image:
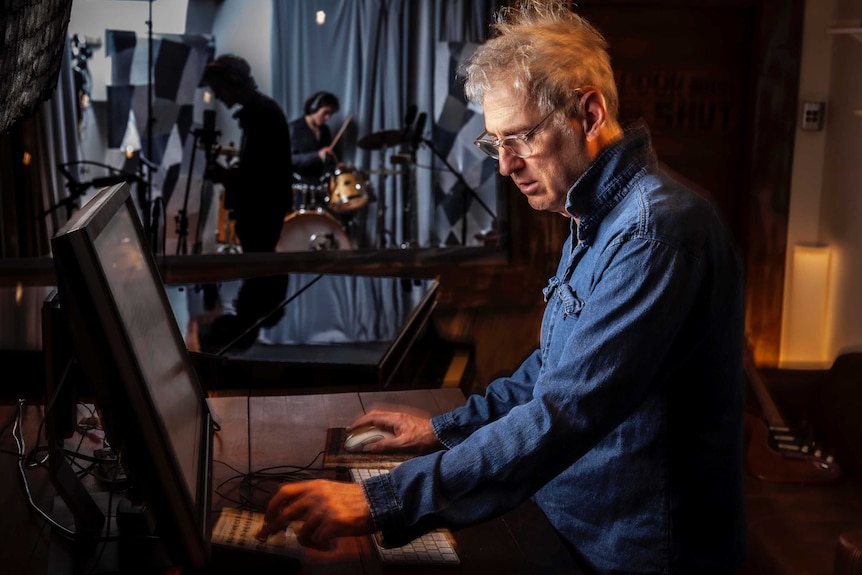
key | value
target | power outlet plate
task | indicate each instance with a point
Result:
(812, 115)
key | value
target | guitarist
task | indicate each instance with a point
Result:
(257, 188)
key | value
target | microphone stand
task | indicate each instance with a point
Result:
(381, 206)
(468, 190)
(151, 216)
(150, 121)
(77, 188)
(208, 137)
(408, 185)
(182, 214)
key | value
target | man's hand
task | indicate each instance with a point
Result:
(412, 433)
(326, 509)
(327, 151)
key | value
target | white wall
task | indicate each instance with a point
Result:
(841, 211)
(826, 199)
(806, 186)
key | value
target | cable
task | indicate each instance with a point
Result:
(18, 435)
(252, 483)
(257, 323)
(29, 459)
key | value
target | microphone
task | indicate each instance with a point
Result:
(418, 128)
(408, 122)
(410, 115)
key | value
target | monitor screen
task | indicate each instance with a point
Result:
(132, 354)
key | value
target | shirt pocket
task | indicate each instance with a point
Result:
(571, 304)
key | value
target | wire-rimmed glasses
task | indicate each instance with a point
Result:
(516, 144)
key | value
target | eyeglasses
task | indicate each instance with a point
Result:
(515, 144)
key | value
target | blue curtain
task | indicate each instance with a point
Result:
(383, 57)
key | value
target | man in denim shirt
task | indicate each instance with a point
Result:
(625, 427)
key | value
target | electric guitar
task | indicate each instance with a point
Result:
(775, 452)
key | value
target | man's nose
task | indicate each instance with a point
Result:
(507, 162)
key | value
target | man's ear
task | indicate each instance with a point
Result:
(593, 113)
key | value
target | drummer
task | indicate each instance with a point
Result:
(311, 140)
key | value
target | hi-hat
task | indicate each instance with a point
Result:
(380, 140)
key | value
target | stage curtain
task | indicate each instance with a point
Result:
(382, 57)
(34, 199)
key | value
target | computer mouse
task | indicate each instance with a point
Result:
(360, 438)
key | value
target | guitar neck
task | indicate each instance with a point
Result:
(770, 411)
(774, 453)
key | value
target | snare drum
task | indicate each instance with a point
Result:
(312, 230)
(347, 190)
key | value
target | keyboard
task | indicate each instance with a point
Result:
(236, 529)
(434, 548)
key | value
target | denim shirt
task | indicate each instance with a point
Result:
(625, 427)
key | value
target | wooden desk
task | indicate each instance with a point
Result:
(267, 431)
(291, 430)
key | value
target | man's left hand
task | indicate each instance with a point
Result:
(325, 509)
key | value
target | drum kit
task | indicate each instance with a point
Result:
(312, 225)
(323, 211)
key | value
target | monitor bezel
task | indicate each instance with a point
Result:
(129, 413)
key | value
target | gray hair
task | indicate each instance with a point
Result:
(545, 51)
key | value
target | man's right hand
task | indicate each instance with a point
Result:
(412, 432)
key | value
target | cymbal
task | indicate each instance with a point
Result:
(380, 140)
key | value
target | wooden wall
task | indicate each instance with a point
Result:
(717, 82)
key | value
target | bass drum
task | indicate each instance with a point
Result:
(312, 230)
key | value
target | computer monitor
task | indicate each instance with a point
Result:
(131, 352)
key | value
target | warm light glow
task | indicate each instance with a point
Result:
(804, 344)
(320, 17)
(131, 139)
(19, 293)
(26, 159)
(208, 97)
